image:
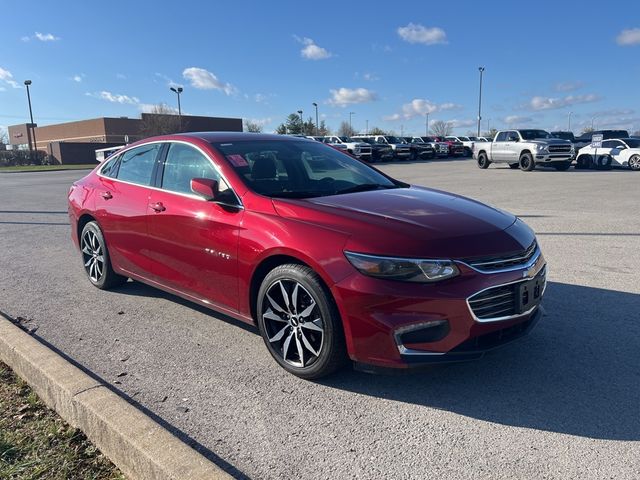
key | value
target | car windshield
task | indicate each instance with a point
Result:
(632, 142)
(464, 139)
(534, 134)
(473, 139)
(365, 140)
(392, 139)
(345, 139)
(300, 169)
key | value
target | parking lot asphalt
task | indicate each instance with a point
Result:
(561, 403)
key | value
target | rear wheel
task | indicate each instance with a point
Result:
(584, 162)
(634, 163)
(483, 161)
(562, 166)
(526, 162)
(95, 257)
(604, 162)
(300, 323)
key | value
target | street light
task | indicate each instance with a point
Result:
(366, 130)
(427, 125)
(592, 120)
(569, 128)
(350, 127)
(317, 125)
(33, 130)
(178, 91)
(301, 122)
(481, 70)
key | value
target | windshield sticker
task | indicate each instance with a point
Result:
(237, 160)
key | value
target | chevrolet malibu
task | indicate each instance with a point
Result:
(330, 258)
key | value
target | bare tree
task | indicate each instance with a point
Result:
(491, 134)
(345, 129)
(323, 129)
(251, 126)
(4, 136)
(376, 131)
(161, 120)
(587, 130)
(441, 128)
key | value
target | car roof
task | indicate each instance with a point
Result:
(235, 136)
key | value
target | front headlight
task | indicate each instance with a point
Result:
(403, 269)
(541, 148)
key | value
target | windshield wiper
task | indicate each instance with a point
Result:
(307, 194)
(364, 187)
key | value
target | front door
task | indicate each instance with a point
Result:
(193, 243)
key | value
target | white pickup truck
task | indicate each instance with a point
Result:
(524, 149)
(354, 147)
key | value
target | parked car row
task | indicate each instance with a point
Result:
(528, 148)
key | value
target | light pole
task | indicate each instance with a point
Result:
(592, 120)
(569, 128)
(317, 124)
(178, 91)
(426, 124)
(366, 130)
(350, 127)
(301, 122)
(33, 130)
(481, 70)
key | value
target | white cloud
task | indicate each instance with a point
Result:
(46, 37)
(204, 80)
(121, 76)
(370, 77)
(170, 82)
(568, 86)
(548, 103)
(311, 51)
(420, 107)
(629, 37)
(115, 98)
(7, 77)
(462, 123)
(512, 120)
(416, 33)
(347, 96)
(78, 77)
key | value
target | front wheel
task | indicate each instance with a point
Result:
(95, 257)
(483, 161)
(604, 162)
(526, 162)
(300, 323)
(634, 163)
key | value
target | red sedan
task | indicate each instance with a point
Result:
(332, 259)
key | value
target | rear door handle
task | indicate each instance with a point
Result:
(106, 195)
(158, 207)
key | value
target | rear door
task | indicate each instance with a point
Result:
(511, 147)
(122, 196)
(193, 243)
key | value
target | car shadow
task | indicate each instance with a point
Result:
(577, 373)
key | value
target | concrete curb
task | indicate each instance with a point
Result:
(136, 444)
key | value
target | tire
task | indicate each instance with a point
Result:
(95, 257)
(584, 162)
(483, 161)
(513, 166)
(299, 322)
(562, 166)
(604, 162)
(527, 163)
(634, 163)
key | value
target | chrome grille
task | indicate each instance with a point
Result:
(559, 148)
(495, 303)
(515, 260)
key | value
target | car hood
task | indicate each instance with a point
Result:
(415, 222)
(549, 141)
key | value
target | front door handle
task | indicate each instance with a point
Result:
(106, 195)
(158, 207)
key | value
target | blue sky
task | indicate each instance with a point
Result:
(388, 63)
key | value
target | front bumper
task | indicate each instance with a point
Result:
(378, 313)
(553, 157)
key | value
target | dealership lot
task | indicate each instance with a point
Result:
(561, 403)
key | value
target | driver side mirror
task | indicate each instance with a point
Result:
(205, 187)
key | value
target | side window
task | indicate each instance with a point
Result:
(110, 169)
(136, 165)
(502, 137)
(184, 163)
(611, 144)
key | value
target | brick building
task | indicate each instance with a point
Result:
(76, 142)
